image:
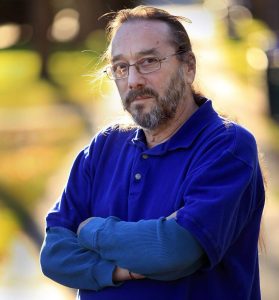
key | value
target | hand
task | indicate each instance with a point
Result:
(121, 274)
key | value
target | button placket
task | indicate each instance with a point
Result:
(138, 175)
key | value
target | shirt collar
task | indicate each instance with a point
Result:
(185, 136)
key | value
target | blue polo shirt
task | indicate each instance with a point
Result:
(208, 172)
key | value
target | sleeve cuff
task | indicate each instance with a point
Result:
(104, 272)
(88, 235)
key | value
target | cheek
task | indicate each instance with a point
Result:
(158, 84)
(121, 87)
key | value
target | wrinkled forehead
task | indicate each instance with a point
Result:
(140, 36)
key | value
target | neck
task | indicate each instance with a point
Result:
(165, 131)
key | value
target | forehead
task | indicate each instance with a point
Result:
(139, 36)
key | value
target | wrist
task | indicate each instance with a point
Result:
(120, 274)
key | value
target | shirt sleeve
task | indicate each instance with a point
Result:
(66, 262)
(72, 207)
(159, 249)
(222, 196)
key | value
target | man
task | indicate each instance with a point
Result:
(167, 209)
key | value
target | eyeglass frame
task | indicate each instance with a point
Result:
(136, 64)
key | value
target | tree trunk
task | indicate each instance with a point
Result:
(40, 16)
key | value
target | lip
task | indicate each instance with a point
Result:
(142, 98)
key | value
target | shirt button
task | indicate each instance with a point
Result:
(144, 156)
(138, 176)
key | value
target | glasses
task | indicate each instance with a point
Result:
(143, 66)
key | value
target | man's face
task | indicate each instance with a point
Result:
(164, 107)
(152, 98)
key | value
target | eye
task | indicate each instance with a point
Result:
(119, 68)
(148, 61)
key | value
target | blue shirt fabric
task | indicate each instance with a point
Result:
(158, 249)
(208, 172)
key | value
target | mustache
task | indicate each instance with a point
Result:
(133, 94)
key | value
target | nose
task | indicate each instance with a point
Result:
(135, 79)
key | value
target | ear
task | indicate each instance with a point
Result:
(190, 67)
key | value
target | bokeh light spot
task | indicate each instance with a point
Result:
(257, 58)
(9, 35)
(66, 25)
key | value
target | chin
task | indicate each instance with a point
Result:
(144, 108)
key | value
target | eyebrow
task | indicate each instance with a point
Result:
(152, 51)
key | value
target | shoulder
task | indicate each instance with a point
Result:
(112, 137)
(242, 145)
(238, 141)
(225, 137)
(118, 129)
(119, 132)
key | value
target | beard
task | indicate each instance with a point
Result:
(165, 107)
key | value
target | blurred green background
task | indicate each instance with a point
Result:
(52, 101)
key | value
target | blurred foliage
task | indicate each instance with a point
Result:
(40, 121)
(18, 67)
(72, 71)
(20, 85)
(250, 33)
(7, 221)
(26, 166)
(97, 41)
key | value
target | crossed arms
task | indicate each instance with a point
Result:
(104, 249)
